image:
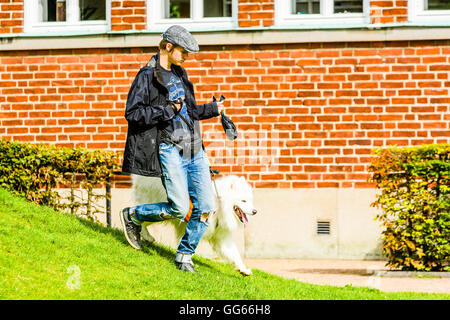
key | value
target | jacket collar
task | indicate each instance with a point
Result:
(154, 63)
(179, 71)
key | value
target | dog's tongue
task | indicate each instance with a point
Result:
(244, 218)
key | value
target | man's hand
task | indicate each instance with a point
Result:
(220, 106)
(177, 105)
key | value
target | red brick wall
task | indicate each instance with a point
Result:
(67, 97)
(322, 106)
(390, 11)
(308, 114)
(128, 15)
(11, 16)
(256, 13)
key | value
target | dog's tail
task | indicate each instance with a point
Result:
(147, 190)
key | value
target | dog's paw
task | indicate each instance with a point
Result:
(245, 272)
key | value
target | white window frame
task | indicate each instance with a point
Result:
(72, 23)
(417, 13)
(284, 16)
(157, 22)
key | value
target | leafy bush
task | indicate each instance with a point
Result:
(35, 170)
(415, 203)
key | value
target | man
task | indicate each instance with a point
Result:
(164, 139)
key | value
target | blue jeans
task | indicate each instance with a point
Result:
(183, 178)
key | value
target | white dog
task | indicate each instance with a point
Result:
(234, 206)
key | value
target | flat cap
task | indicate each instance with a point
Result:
(178, 35)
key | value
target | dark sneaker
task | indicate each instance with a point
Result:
(131, 230)
(188, 267)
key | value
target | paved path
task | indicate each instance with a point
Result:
(342, 272)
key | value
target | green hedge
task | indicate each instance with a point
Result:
(35, 170)
(415, 203)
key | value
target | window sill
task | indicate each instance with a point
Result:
(51, 28)
(206, 24)
(230, 36)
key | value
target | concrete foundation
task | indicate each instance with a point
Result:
(286, 224)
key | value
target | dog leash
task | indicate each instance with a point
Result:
(213, 173)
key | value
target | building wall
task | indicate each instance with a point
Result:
(388, 11)
(11, 16)
(128, 15)
(308, 114)
(259, 13)
(309, 108)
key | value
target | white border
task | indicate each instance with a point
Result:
(417, 13)
(283, 16)
(72, 23)
(156, 22)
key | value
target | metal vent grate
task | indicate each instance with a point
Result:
(323, 227)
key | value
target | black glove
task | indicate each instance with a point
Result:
(227, 124)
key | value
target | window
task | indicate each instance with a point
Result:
(348, 6)
(177, 9)
(45, 16)
(432, 11)
(305, 6)
(313, 6)
(92, 10)
(217, 8)
(194, 14)
(321, 12)
(437, 4)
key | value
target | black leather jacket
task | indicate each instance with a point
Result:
(148, 112)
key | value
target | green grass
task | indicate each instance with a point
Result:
(40, 247)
